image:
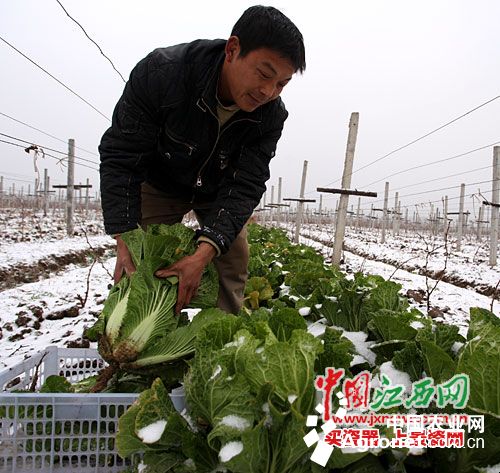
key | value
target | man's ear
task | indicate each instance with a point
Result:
(232, 48)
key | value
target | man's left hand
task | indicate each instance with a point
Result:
(189, 270)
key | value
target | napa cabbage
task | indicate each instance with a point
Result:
(138, 326)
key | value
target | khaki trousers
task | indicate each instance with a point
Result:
(232, 267)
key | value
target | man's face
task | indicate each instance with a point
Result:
(255, 79)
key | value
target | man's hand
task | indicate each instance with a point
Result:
(124, 263)
(189, 270)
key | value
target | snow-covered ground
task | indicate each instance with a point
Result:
(467, 267)
(454, 302)
(54, 310)
(49, 312)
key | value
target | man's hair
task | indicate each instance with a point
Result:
(266, 27)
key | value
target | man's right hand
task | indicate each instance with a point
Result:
(124, 263)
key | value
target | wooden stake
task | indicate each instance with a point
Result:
(346, 184)
(384, 218)
(300, 205)
(280, 182)
(495, 200)
(70, 189)
(460, 228)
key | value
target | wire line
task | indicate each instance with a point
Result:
(434, 162)
(55, 78)
(98, 47)
(418, 139)
(47, 154)
(46, 147)
(45, 133)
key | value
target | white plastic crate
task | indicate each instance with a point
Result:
(61, 432)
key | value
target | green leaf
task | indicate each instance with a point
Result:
(480, 359)
(367, 464)
(213, 390)
(284, 321)
(442, 335)
(338, 351)
(410, 360)
(339, 459)
(481, 320)
(150, 314)
(178, 343)
(471, 460)
(134, 240)
(57, 384)
(208, 290)
(287, 366)
(162, 462)
(288, 446)
(157, 406)
(437, 363)
(386, 325)
(385, 351)
(385, 296)
(216, 334)
(257, 290)
(254, 457)
(335, 315)
(127, 441)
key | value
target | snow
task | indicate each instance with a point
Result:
(216, 372)
(189, 420)
(230, 450)
(358, 339)
(417, 325)
(268, 420)
(304, 311)
(470, 264)
(152, 432)
(236, 422)
(13, 254)
(455, 348)
(50, 296)
(357, 360)
(236, 343)
(490, 469)
(317, 328)
(191, 313)
(396, 376)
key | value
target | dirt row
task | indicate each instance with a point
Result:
(53, 264)
(451, 278)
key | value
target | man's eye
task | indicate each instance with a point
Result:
(264, 76)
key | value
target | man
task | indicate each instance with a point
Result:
(195, 129)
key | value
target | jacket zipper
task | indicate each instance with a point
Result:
(219, 134)
(198, 177)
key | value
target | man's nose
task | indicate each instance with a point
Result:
(268, 89)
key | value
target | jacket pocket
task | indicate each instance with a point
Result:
(179, 144)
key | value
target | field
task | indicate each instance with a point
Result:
(52, 286)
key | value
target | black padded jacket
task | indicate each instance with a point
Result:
(165, 131)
